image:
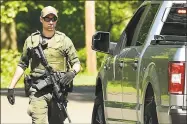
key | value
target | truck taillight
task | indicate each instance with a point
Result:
(176, 73)
(182, 11)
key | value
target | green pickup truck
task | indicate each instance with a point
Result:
(143, 77)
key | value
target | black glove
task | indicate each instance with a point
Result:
(68, 77)
(10, 96)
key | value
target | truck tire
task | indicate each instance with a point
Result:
(150, 116)
(98, 110)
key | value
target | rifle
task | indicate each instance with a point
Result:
(57, 92)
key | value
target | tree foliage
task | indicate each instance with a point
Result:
(10, 9)
(111, 16)
(9, 12)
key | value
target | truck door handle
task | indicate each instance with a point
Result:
(121, 64)
(106, 67)
(107, 64)
(136, 61)
(135, 64)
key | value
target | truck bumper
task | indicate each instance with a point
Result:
(178, 115)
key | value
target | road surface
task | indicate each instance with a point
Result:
(79, 107)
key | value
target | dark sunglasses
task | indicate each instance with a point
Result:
(47, 19)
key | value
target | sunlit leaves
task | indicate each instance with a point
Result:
(69, 11)
(113, 16)
(10, 9)
(9, 59)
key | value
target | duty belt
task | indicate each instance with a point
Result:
(58, 76)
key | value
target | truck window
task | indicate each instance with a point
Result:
(176, 22)
(147, 22)
(129, 31)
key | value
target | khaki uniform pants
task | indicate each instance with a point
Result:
(43, 109)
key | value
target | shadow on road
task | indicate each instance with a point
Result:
(80, 93)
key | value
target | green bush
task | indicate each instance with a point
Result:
(9, 61)
(100, 58)
(82, 58)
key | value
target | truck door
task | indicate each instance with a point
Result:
(113, 97)
(123, 60)
(113, 101)
(129, 85)
(114, 104)
(130, 79)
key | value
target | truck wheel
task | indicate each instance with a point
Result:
(98, 110)
(150, 116)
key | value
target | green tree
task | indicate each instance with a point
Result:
(113, 16)
(9, 10)
(21, 18)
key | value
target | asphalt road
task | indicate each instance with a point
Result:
(79, 107)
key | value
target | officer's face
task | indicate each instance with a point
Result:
(49, 22)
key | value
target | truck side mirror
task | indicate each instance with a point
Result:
(101, 41)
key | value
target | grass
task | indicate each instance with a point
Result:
(85, 80)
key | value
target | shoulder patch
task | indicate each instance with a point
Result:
(35, 33)
(35, 38)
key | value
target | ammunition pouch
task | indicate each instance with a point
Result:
(27, 84)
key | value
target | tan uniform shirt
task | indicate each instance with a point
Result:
(59, 52)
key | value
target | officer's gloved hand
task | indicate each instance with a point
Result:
(68, 77)
(11, 96)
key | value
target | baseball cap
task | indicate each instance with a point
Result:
(48, 10)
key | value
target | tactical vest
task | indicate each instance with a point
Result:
(53, 52)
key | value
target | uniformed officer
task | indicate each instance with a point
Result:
(59, 51)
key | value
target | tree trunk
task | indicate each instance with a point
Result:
(8, 36)
(90, 30)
